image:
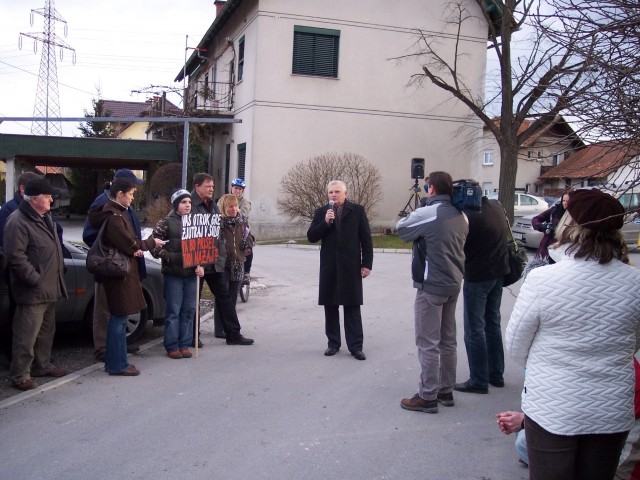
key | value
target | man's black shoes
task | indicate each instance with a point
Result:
(240, 340)
(467, 387)
(331, 351)
(359, 355)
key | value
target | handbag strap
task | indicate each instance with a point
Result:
(510, 239)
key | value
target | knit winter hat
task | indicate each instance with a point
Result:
(178, 196)
(596, 210)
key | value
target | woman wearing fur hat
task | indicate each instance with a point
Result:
(574, 329)
(179, 282)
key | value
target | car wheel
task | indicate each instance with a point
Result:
(135, 325)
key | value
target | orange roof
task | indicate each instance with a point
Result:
(593, 161)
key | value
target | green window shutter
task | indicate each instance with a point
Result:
(242, 157)
(315, 51)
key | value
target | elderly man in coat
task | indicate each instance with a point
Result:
(36, 268)
(346, 257)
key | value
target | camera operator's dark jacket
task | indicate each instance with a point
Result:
(485, 249)
(438, 231)
(541, 222)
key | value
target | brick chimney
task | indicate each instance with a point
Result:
(219, 5)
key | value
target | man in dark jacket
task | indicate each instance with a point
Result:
(438, 231)
(486, 263)
(346, 257)
(6, 300)
(89, 234)
(214, 275)
(36, 268)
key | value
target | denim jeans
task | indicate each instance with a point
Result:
(180, 299)
(521, 446)
(435, 318)
(115, 360)
(482, 332)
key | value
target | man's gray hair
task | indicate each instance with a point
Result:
(337, 182)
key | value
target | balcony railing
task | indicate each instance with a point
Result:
(214, 97)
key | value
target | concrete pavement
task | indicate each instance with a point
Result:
(278, 409)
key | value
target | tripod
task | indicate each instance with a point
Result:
(414, 198)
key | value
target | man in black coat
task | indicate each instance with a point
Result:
(486, 263)
(346, 257)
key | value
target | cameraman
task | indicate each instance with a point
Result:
(546, 222)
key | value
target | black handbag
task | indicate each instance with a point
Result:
(517, 259)
(107, 262)
(517, 262)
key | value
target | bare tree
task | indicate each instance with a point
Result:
(537, 85)
(607, 33)
(304, 186)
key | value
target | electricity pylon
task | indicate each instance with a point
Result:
(47, 103)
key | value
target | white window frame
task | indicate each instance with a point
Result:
(487, 157)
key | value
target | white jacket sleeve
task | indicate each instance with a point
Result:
(410, 227)
(524, 322)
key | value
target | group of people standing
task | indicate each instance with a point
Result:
(33, 268)
(573, 327)
(180, 283)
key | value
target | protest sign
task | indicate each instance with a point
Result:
(199, 234)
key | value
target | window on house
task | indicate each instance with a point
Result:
(242, 156)
(487, 158)
(241, 58)
(529, 154)
(315, 51)
(555, 159)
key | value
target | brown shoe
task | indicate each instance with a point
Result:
(419, 404)
(176, 354)
(54, 372)
(25, 385)
(131, 371)
(185, 353)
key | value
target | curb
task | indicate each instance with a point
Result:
(80, 373)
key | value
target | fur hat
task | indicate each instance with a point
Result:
(596, 210)
(178, 196)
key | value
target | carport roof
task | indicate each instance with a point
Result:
(87, 152)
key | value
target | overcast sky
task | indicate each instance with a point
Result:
(120, 46)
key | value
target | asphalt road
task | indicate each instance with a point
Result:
(278, 409)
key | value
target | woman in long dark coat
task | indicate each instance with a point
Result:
(124, 295)
(346, 257)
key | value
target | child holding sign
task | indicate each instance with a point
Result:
(179, 282)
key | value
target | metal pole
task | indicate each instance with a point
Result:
(185, 153)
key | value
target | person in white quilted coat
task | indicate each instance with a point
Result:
(574, 328)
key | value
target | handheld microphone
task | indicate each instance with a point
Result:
(331, 206)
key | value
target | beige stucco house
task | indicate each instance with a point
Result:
(541, 152)
(307, 78)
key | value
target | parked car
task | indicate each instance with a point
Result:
(530, 238)
(77, 310)
(523, 232)
(525, 204)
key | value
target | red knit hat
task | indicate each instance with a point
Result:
(596, 210)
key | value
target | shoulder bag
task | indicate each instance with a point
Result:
(517, 259)
(107, 262)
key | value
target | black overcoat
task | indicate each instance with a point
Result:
(345, 249)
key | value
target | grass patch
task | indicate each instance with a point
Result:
(379, 241)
